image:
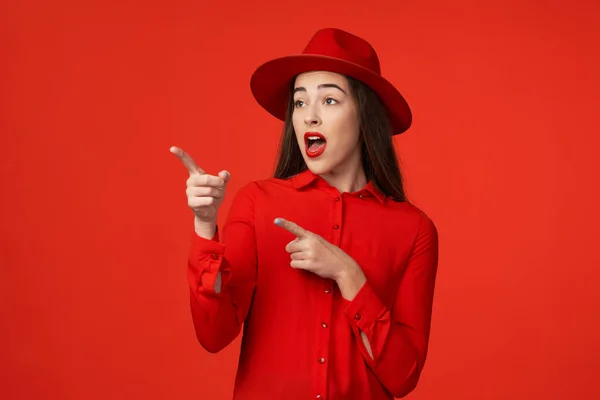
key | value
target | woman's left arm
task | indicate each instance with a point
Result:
(394, 342)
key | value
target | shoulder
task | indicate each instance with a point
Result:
(266, 185)
(409, 211)
(414, 217)
(259, 188)
(426, 233)
(272, 182)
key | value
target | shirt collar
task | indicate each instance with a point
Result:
(307, 177)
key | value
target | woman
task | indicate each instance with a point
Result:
(327, 266)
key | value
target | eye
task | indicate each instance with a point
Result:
(330, 101)
(298, 103)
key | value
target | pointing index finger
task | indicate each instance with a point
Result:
(187, 161)
(291, 227)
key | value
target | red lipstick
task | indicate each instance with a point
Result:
(315, 144)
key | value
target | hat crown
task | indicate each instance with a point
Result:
(336, 43)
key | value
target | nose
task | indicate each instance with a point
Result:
(312, 117)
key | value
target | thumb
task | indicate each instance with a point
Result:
(225, 176)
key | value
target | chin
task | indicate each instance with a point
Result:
(318, 167)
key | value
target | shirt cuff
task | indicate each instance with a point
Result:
(205, 262)
(365, 309)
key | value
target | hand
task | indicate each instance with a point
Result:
(311, 252)
(205, 192)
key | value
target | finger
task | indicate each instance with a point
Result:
(187, 161)
(291, 227)
(196, 202)
(300, 264)
(299, 255)
(293, 246)
(205, 180)
(225, 176)
(205, 191)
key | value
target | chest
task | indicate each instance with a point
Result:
(372, 234)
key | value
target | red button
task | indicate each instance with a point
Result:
(215, 256)
(336, 226)
(327, 291)
(319, 397)
(357, 317)
(324, 324)
(322, 360)
(337, 198)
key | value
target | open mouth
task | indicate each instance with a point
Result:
(315, 144)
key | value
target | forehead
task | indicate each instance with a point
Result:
(315, 78)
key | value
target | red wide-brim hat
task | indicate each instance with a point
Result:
(331, 50)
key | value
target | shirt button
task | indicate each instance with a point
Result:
(357, 316)
(215, 256)
(327, 291)
(324, 324)
(319, 397)
(360, 195)
(336, 226)
(337, 198)
(322, 360)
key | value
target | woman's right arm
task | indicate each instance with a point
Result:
(222, 275)
(222, 264)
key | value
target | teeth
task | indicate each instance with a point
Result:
(314, 138)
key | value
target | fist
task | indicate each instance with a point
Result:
(205, 192)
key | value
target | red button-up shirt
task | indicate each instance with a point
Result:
(301, 338)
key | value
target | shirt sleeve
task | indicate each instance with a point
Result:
(399, 337)
(218, 316)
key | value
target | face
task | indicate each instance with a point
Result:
(325, 120)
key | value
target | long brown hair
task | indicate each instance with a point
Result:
(379, 158)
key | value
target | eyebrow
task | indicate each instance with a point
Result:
(324, 85)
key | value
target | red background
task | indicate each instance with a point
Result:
(95, 228)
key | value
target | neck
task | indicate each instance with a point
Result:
(348, 178)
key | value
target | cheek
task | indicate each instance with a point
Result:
(347, 145)
(348, 133)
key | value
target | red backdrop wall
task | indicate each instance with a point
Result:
(95, 228)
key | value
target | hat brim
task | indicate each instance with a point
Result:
(270, 85)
